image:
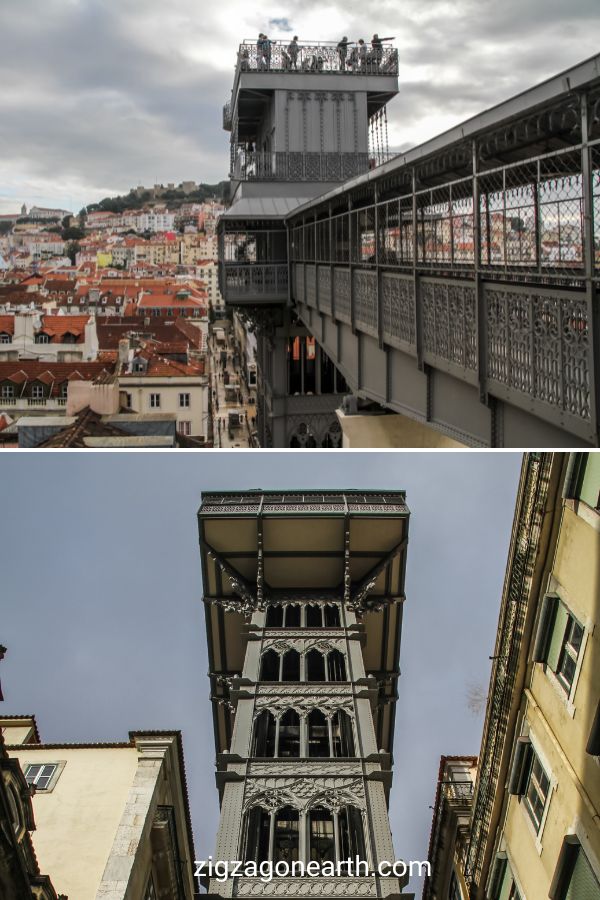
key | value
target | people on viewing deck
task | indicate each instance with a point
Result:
(292, 52)
(376, 54)
(342, 50)
(355, 56)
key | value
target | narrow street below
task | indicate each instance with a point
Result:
(233, 413)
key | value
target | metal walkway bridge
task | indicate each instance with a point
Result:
(458, 283)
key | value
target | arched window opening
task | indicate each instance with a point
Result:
(313, 616)
(289, 734)
(14, 807)
(258, 826)
(274, 617)
(315, 666)
(352, 838)
(318, 734)
(341, 733)
(336, 666)
(322, 841)
(292, 616)
(287, 831)
(332, 615)
(264, 734)
(291, 666)
(269, 667)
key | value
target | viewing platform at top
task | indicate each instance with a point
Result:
(318, 57)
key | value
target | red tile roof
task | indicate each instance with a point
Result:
(7, 324)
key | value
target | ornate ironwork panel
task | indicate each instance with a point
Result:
(365, 300)
(398, 294)
(449, 322)
(311, 286)
(324, 281)
(299, 270)
(341, 294)
(539, 344)
(254, 282)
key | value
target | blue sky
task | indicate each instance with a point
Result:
(101, 95)
(101, 602)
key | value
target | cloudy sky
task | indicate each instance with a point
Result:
(101, 600)
(101, 95)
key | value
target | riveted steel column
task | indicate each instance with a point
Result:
(379, 297)
(589, 262)
(480, 311)
(351, 263)
(416, 279)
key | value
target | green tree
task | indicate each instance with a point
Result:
(72, 233)
(71, 250)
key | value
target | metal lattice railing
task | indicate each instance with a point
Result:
(317, 57)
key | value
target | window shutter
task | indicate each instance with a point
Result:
(545, 627)
(558, 635)
(584, 884)
(505, 884)
(593, 744)
(497, 879)
(521, 759)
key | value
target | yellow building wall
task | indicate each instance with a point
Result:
(104, 259)
(560, 732)
(76, 822)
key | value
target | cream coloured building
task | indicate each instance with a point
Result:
(120, 809)
(534, 829)
(187, 396)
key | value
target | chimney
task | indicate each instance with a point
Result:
(123, 352)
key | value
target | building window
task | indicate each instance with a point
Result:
(184, 400)
(529, 781)
(155, 401)
(574, 877)
(322, 840)
(257, 835)
(5, 338)
(8, 392)
(290, 666)
(537, 788)
(40, 775)
(265, 733)
(502, 886)
(289, 735)
(63, 390)
(184, 428)
(37, 392)
(42, 338)
(569, 653)
(559, 641)
(286, 838)
(585, 479)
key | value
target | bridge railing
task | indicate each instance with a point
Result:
(531, 224)
(529, 345)
(253, 165)
(254, 283)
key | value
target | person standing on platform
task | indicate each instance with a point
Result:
(292, 51)
(342, 50)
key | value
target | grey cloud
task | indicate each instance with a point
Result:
(112, 93)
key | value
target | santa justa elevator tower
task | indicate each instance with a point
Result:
(303, 595)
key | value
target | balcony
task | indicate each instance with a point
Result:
(253, 283)
(23, 403)
(318, 58)
(251, 165)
